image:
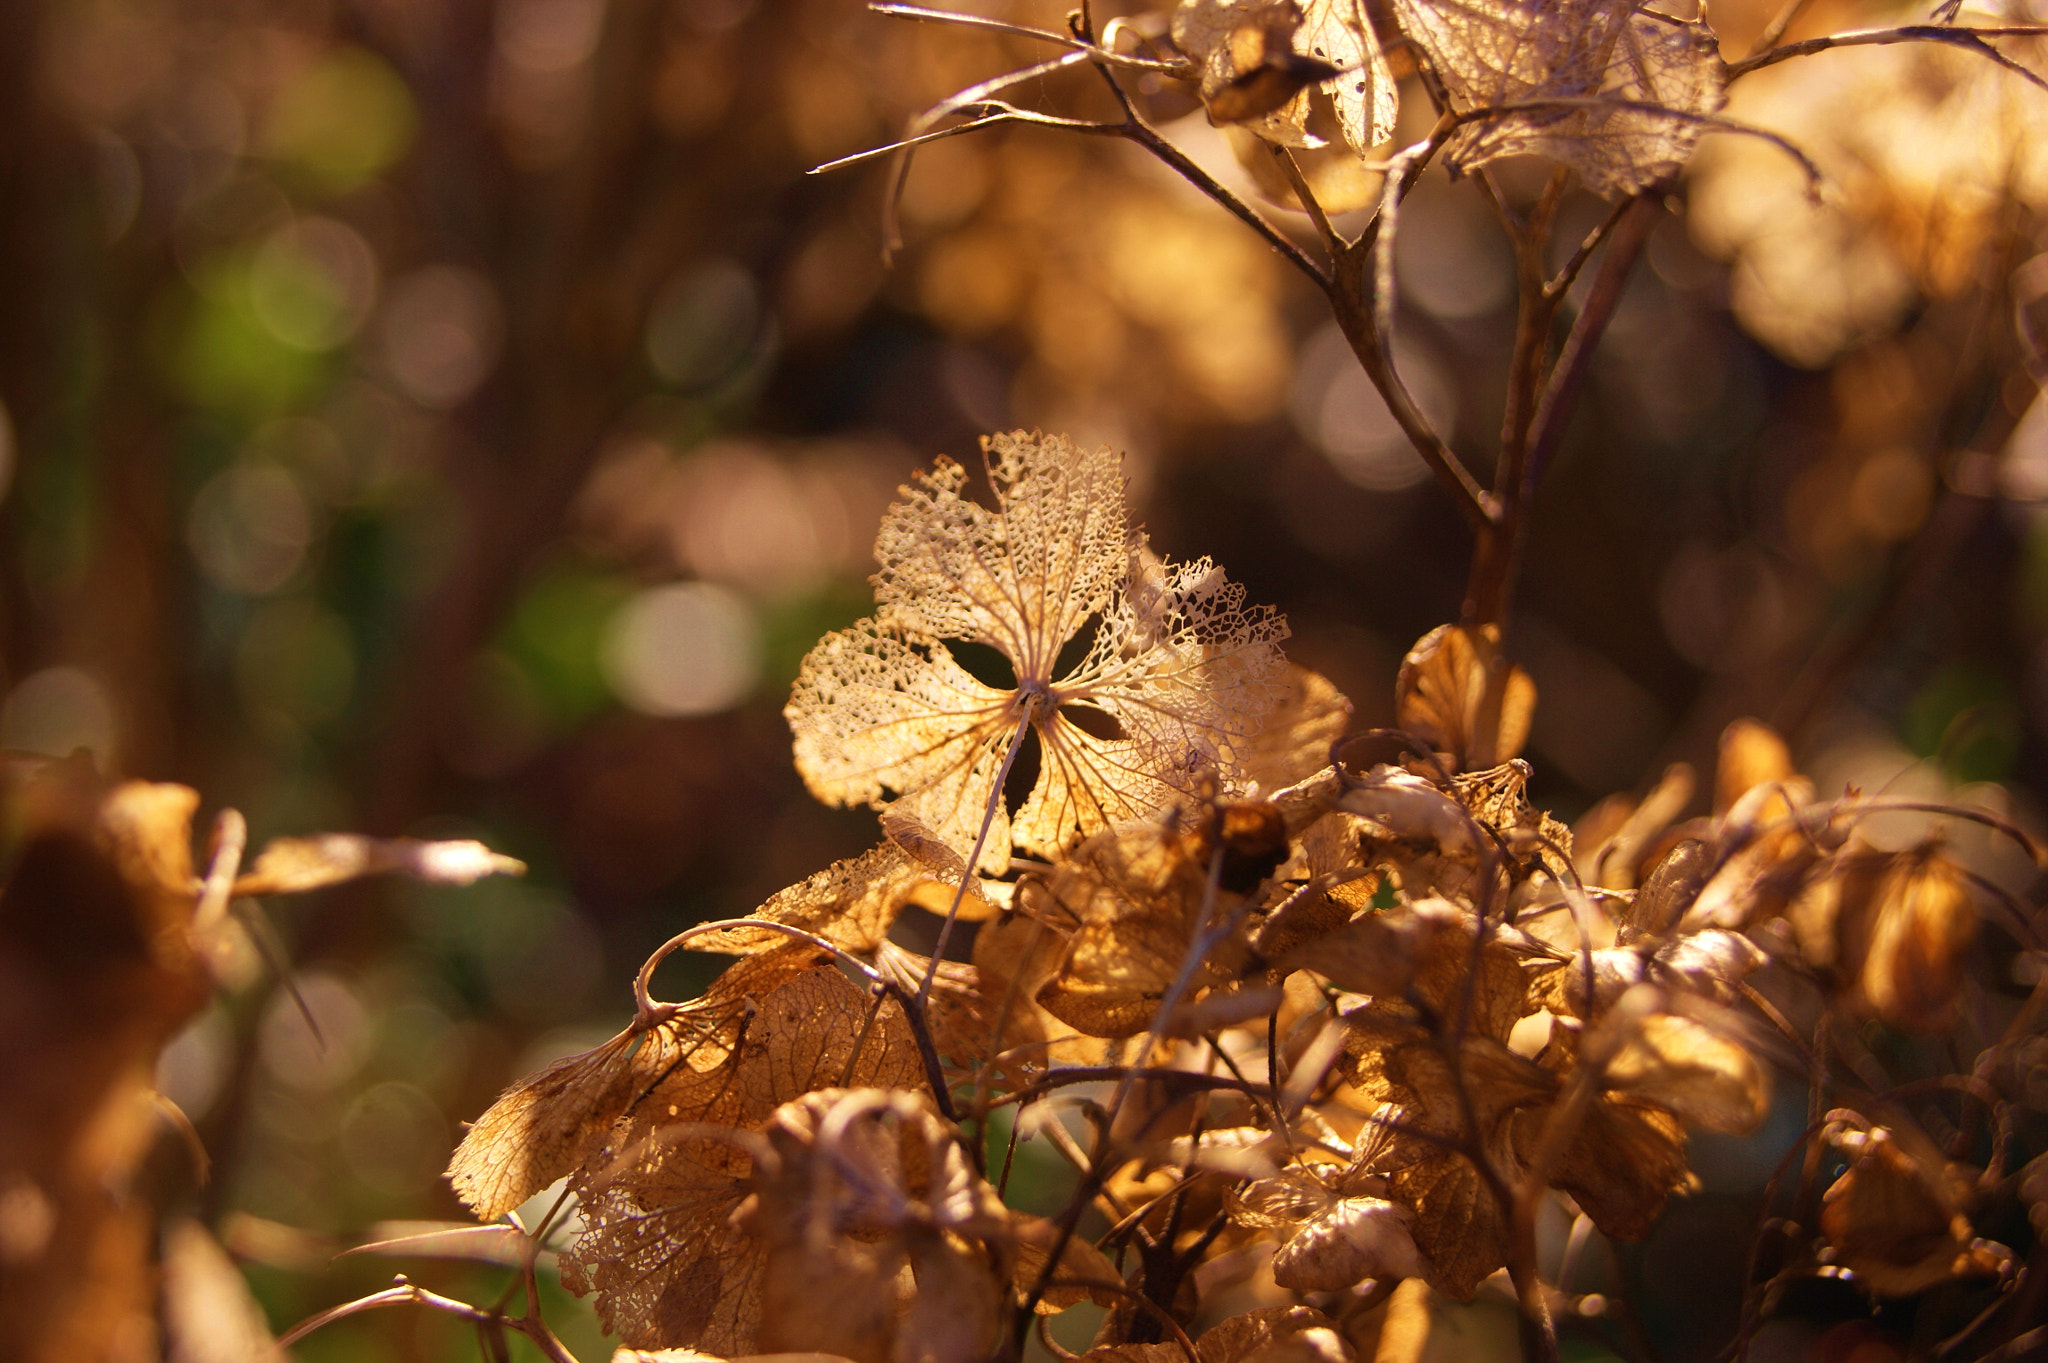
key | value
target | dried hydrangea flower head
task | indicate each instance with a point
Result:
(1179, 673)
(1594, 75)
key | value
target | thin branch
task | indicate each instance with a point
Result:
(1968, 39)
(967, 871)
(1626, 241)
(1710, 122)
(998, 113)
(1181, 69)
(1561, 282)
(1333, 240)
(1148, 137)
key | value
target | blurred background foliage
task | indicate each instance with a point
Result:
(458, 417)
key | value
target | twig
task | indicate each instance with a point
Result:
(1626, 240)
(1969, 39)
(1562, 281)
(1148, 137)
(1182, 69)
(1333, 240)
(999, 113)
(967, 872)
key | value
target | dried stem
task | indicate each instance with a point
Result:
(1968, 39)
(967, 872)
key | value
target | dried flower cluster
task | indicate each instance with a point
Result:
(1310, 1015)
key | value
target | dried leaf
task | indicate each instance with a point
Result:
(295, 865)
(1897, 1224)
(1179, 672)
(1081, 1263)
(1495, 53)
(1457, 693)
(660, 1248)
(1259, 58)
(1335, 1225)
(1277, 1334)
(553, 1123)
(852, 903)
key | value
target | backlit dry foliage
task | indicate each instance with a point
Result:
(1325, 1022)
(1312, 1016)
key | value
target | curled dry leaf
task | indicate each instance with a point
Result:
(658, 1193)
(877, 1233)
(1336, 1227)
(1276, 1334)
(1897, 1223)
(295, 865)
(1457, 693)
(1178, 673)
(1259, 60)
(1902, 923)
(1493, 54)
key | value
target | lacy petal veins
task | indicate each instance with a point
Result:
(1179, 673)
(1606, 67)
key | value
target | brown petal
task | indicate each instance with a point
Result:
(1457, 693)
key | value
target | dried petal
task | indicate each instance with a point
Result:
(852, 903)
(295, 865)
(1178, 673)
(1334, 1237)
(1259, 58)
(1277, 1334)
(553, 1123)
(1905, 923)
(1495, 53)
(1622, 1166)
(1457, 693)
(660, 1248)
(876, 1233)
(1705, 1078)
(1896, 1223)
(1752, 754)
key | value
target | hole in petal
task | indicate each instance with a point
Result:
(1092, 720)
(1023, 772)
(983, 663)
